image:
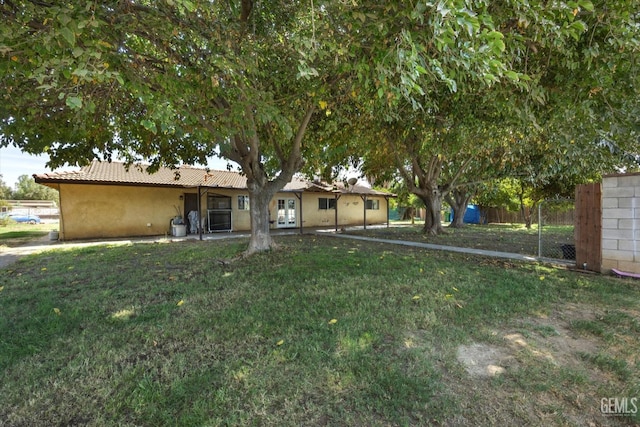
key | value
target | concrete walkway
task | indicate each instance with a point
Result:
(9, 255)
(470, 251)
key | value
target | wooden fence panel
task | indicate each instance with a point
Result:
(588, 226)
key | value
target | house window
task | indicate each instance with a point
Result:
(219, 202)
(243, 203)
(373, 204)
(325, 203)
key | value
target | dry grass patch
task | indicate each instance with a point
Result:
(544, 371)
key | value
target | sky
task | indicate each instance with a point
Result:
(14, 163)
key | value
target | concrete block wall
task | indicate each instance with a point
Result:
(621, 222)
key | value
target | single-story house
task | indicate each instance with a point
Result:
(110, 200)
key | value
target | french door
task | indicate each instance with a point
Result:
(286, 213)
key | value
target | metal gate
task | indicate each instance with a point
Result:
(556, 229)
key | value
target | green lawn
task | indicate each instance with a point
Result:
(14, 234)
(323, 331)
(515, 238)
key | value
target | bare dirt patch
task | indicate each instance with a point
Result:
(534, 372)
(483, 360)
(544, 337)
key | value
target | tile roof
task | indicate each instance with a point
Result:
(116, 173)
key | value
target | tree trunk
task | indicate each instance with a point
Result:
(409, 214)
(244, 149)
(458, 216)
(260, 240)
(433, 220)
(526, 214)
(458, 199)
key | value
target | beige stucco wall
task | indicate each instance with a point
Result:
(350, 211)
(99, 211)
(96, 211)
(621, 223)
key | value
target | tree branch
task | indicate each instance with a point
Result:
(294, 161)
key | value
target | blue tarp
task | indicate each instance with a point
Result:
(472, 215)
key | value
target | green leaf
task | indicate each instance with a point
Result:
(512, 75)
(586, 5)
(576, 29)
(64, 19)
(359, 15)
(149, 125)
(68, 35)
(80, 72)
(420, 69)
(189, 6)
(497, 46)
(74, 102)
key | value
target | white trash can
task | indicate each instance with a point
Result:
(179, 230)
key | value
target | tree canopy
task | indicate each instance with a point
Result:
(28, 189)
(5, 190)
(273, 84)
(169, 82)
(563, 111)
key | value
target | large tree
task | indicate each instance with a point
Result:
(444, 162)
(169, 82)
(28, 189)
(584, 92)
(560, 103)
(5, 190)
(267, 84)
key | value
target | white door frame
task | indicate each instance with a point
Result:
(286, 215)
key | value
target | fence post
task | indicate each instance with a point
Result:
(540, 229)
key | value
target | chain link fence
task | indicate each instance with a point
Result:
(556, 219)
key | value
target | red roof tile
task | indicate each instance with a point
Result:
(115, 173)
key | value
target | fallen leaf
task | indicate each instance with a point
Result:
(333, 321)
(279, 343)
(180, 302)
(56, 311)
(416, 297)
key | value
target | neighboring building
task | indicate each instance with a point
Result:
(43, 208)
(107, 200)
